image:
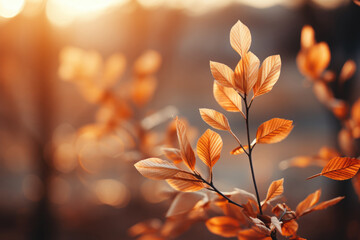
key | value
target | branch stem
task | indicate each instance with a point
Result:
(250, 152)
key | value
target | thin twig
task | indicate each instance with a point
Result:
(250, 151)
(237, 139)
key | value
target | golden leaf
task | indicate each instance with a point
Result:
(209, 148)
(187, 153)
(185, 182)
(227, 98)
(340, 168)
(222, 74)
(327, 204)
(240, 38)
(239, 150)
(173, 154)
(268, 75)
(215, 119)
(307, 203)
(276, 189)
(223, 226)
(347, 71)
(156, 168)
(185, 202)
(246, 73)
(274, 130)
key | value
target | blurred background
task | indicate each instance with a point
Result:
(89, 87)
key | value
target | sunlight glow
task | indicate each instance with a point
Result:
(11, 8)
(64, 12)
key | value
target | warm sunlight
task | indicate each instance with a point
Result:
(64, 12)
(11, 8)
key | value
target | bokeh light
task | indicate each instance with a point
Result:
(11, 8)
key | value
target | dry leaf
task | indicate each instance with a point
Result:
(187, 152)
(276, 189)
(274, 130)
(156, 168)
(227, 98)
(173, 154)
(340, 168)
(209, 148)
(246, 73)
(327, 204)
(223, 226)
(222, 74)
(268, 75)
(240, 38)
(260, 226)
(276, 223)
(185, 182)
(347, 71)
(214, 119)
(185, 202)
(307, 203)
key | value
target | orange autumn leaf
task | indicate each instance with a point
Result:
(187, 153)
(156, 168)
(185, 182)
(340, 168)
(227, 98)
(246, 73)
(222, 74)
(289, 228)
(239, 150)
(148, 63)
(240, 38)
(268, 75)
(307, 203)
(173, 154)
(274, 130)
(347, 71)
(327, 204)
(314, 60)
(209, 148)
(223, 226)
(276, 189)
(251, 234)
(355, 111)
(214, 119)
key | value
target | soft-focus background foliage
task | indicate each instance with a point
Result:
(48, 190)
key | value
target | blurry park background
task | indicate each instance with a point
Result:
(52, 188)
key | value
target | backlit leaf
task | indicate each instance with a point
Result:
(276, 189)
(276, 223)
(274, 130)
(209, 148)
(246, 73)
(215, 119)
(184, 202)
(239, 150)
(227, 98)
(347, 71)
(185, 182)
(222, 74)
(307, 203)
(240, 38)
(223, 226)
(186, 150)
(173, 154)
(327, 204)
(268, 75)
(340, 168)
(155, 168)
